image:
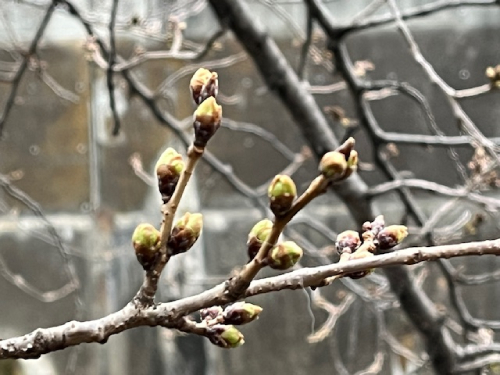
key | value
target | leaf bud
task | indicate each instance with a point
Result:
(493, 73)
(281, 192)
(333, 164)
(227, 337)
(211, 313)
(241, 313)
(185, 233)
(146, 242)
(284, 255)
(207, 119)
(257, 236)
(391, 236)
(347, 241)
(168, 170)
(203, 84)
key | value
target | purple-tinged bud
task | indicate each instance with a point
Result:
(391, 236)
(257, 236)
(333, 165)
(146, 242)
(360, 255)
(211, 313)
(241, 313)
(227, 337)
(284, 255)
(281, 192)
(204, 84)
(168, 170)
(347, 242)
(207, 119)
(185, 233)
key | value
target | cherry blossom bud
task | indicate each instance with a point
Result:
(204, 84)
(207, 119)
(391, 236)
(146, 242)
(333, 164)
(227, 337)
(185, 233)
(281, 192)
(241, 313)
(360, 255)
(257, 236)
(347, 241)
(168, 170)
(211, 313)
(284, 255)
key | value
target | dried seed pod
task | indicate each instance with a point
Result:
(207, 119)
(284, 255)
(281, 192)
(203, 84)
(185, 233)
(146, 242)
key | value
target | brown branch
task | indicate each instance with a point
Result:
(171, 315)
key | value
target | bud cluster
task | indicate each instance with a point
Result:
(220, 322)
(207, 117)
(376, 236)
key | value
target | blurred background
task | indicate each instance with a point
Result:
(71, 192)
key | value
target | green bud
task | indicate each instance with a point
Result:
(347, 241)
(227, 337)
(257, 236)
(203, 84)
(146, 242)
(185, 233)
(207, 119)
(333, 164)
(284, 255)
(241, 313)
(281, 192)
(391, 236)
(168, 170)
(360, 255)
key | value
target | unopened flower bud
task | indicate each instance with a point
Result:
(333, 164)
(352, 164)
(168, 170)
(360, 255)
(493, 73)
(281, 192)
(347, 241)
(204, 84)
(241, 313)
(391, 236)
(284, 255)
(185, 233)
(146, 242)
(207, 119)
(225, 336)
(257, 236)
(211, 313)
